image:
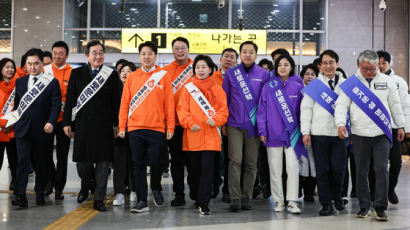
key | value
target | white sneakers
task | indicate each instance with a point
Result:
(292, 207)
(279, 206)
(119, 199)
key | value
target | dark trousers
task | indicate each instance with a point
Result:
(352, 174)
(217, 179)
(122, 165)
(59, 173)
(200, 173)
(330, 162)
(11, 149)
(225, 188)
(376, 149)
(178, 160)
(263, 178)
(88, 174)
(146, 147)
(36, 152)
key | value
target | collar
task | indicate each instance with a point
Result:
(62, 67)
(150, 70)
(37, 76)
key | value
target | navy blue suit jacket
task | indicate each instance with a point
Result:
(45, 109)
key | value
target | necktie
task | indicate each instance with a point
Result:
(95, 72)
(331, 84)
(34, 80)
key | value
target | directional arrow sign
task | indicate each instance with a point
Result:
(136, 36)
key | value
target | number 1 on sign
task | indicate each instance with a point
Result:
(158, 37)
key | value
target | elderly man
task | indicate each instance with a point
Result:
(371, 98)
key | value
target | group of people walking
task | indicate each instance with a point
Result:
(301, 129)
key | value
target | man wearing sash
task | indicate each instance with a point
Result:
(372, 98)
(91, 118)
(319, 130)
(147, 113)
(180, 73)
(37, 104)
(61, 70)
(242, 85)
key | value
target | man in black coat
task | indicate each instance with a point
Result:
(34, 117)
(91, 112)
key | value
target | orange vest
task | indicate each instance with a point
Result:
(174, 70)
(189, 113)
(156, 112)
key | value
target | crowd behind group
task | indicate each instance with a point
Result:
(280, 134)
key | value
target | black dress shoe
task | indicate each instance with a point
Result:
(309, 198)
(82, 196)
(99, 205)
(48, 189)
(393, 197)
(340, 205)
(19, 200)
(59, 196)
(178, 201)
(40, 199)
(327, 210)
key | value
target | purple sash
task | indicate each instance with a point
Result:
(242, 84)
(369, 103)
(292, 133)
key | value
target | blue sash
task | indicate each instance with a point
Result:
(248, 97)
(369, 103)
(285, 110)
(324, 96)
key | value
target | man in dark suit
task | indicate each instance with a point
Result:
(36, 114)
(94, 95)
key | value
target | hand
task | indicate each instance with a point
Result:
(169, 136)
(67, 131)
(342, 132)
(400, 134)
(263, 139)
(223, 130)
(116, 130)
(195, 128)
(306, 139)
(407, 135)
(211, 122)
(48, 128)
(121, 134)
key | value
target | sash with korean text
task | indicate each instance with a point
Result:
(182, 78)
(243, 85)
(145, 90)
(282, 104)
(9, 103)
(203, 103)
(28, 98)
(369, 103)
(91, 89)
(324, 96)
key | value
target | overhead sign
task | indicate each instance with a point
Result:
(207, 41)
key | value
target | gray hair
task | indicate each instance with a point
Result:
(368, 56)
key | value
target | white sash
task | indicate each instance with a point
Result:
(182, 78)
(145, 90)
(28, 98)
(91, 89)
(9, 103)
(49, 69)
(201, 100)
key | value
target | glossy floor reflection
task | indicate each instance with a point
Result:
(262, 217)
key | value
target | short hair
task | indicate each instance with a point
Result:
(368, 56)
(291, 61)
(61, 44)
(248, 43)
(93, 43)
(181, 39)
(149, 44)
(23, 60)
(120, 62)
(3, 62)
(130, 65)
(230, 50)
(35, 52)
(317, 62)
(280, 51)
(208, 61)
(310, 66)
(342, 71)
(330, 53)
(47, 54)
(265, 61)
(385, 55)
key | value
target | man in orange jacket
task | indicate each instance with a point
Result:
(61, 70)
(180, 73)
(147, 89)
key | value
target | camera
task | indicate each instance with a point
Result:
(221, 3)
(382, 5)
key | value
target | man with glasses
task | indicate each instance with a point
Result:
(91, 118)
(372, 98)
(180, 73)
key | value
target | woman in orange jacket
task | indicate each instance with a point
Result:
(7, 141)
(202, 108)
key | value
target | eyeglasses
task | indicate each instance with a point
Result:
(328, 63)
(94, 54)
(179, 48)
(371, 70)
